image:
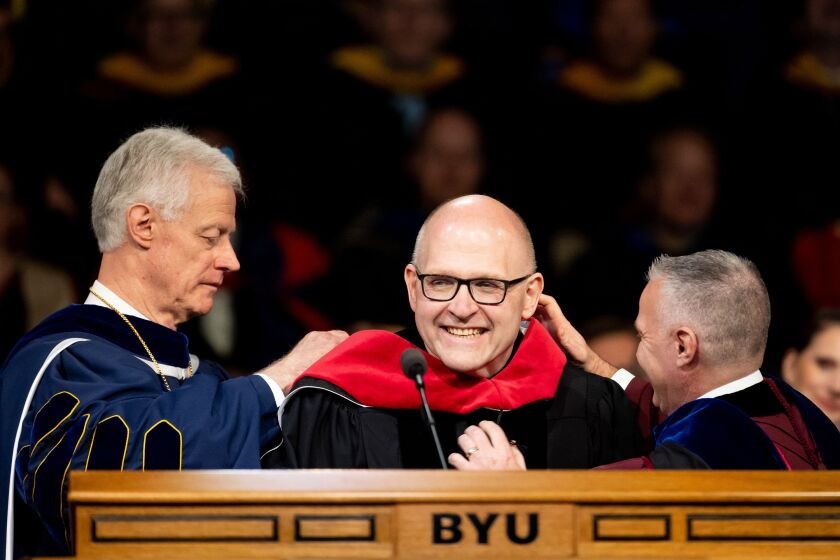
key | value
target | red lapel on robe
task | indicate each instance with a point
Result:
(367, 367)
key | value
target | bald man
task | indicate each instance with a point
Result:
(474, 287)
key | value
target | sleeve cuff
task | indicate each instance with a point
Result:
(623, 378)
(279, 397)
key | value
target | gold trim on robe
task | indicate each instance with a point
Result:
(368, 64)
(654, 78)
(806, 70)
(131, 70)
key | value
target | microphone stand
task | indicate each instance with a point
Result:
(414, 366)
(430, 421)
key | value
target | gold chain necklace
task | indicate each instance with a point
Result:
(143, 342)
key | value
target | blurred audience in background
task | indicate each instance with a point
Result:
(812, 364)
(373, 97)
(673, 213)
(405, 64)
(621, 67)
(445, 161)
(164, 72)
(816, 263)
(784, 154)
(29, 289)
(351, 118)
(603, 105)
(7, 52)
(813, 77)
(615, 340)
(12, 97)
(807, 114)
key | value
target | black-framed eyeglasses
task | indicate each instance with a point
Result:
(486, 291)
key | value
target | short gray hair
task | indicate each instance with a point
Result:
(151, 167)
(722, 297)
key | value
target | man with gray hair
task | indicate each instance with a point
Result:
(702, 326)
(111, 384)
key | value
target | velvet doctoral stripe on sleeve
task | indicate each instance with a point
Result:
(97, 404)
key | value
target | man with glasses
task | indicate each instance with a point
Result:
(474, 287)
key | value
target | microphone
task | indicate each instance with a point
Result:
(414, 367)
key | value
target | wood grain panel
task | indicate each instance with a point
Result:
(435, 514)
(764, 527)
(715, 530)
(631, 527)
(183, 528)
(335, 528)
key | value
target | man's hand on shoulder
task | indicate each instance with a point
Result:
(306, 352)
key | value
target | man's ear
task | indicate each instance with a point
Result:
(140, 219)
(412, 285)
(533, 289)
(685, 340)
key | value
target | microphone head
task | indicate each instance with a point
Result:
(413, 363)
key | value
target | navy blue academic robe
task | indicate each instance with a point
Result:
(769, 425)
(746, 430)
(78, 393)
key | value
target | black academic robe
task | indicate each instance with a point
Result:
(356, 409)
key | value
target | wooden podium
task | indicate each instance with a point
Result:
(437, 514)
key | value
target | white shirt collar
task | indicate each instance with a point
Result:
(112, 298)
(126, 309)
(734, 386)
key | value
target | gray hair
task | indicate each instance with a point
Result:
(722, 297)
(151, 167)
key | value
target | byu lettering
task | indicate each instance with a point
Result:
(449, 528)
